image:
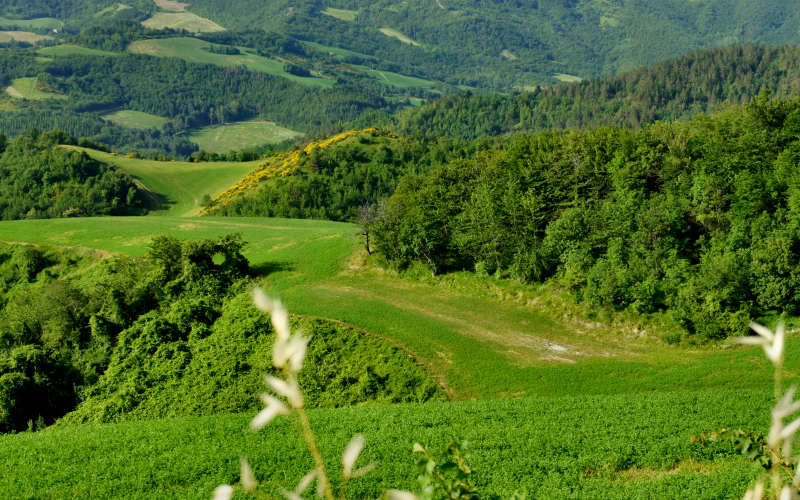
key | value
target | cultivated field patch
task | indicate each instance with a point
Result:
(194, 50)
(242, 135)
(564, 77)
(171, 5)
(22, 36)
(28, 88)
(343, 14)
(136, 119)
(41, 23)
(67, 49)
(182, 21)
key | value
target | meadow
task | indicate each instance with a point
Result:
(41, 23)
(135, 119)
(241, 135)
(182, 21)
(28, 88)
(67, 49)
(192, 50)
(554, 405)
(180, 186)
(22, 36)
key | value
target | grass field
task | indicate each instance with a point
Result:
(41, 23)
(182, 21)
(563, 77)
(22, 36)
(67, 49)
(181, 185)
(242, 135)
(343, 14)
(171, 5)
(191, 49)
(136, 119)
(396, 34)
(27, 88)
(111, 9)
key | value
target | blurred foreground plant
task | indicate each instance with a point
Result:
(773, 452)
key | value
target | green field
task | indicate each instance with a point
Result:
(396, 34)
(111, 9)
(191, 50)
(625, 446)
(182, 21)
(22, 36)
(343, 14)
(396, 79)
(67, 49)
(179, 185)
(242, 135)
(27, 88)
(136, 119)
(42, 23)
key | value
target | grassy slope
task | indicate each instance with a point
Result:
(73, 50)
(135, 119)
(180, 184)
(191, 50)
(42, 23)
(27, 87)
(242, 135)
(182, 21)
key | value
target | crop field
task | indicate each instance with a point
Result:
(343, 14)
(22, 36)
(191, 50)
(41, 23)
(171, 5)
(136, 119)
(181, 185)
(67, 49)
(112, 8)
(27, 88)
(182, 21)
(242, 135)
(600, 447)
(563, 77)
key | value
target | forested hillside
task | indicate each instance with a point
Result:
(676, 89)
(39, 179)
(697, 219)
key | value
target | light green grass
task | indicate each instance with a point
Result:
(180, 185)
(337, 51)
(191, 50)
(136, 119)
(242, 135)
(342, 14)
(396, 79)
(182, 21)
(396, 34)
(112, 9)
(557, 447)
(564, 77)
(41, 23)
(68, 49)
(27, 88)
(22, 36)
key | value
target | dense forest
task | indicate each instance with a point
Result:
(698, 219)
(39, 179)
(677, 89)
(120, 337)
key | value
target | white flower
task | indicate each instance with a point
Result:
(223, 492)
(778, 432)
(772, 343)
(291, 351)
(248, 479)
(273, 407)
(755, 493)
(351, 454)
(287, 389)
(407, 495)
(787, 493)
(278, 314)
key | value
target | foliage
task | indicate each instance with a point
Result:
(693, 219)
(42, 180)
(445, 473)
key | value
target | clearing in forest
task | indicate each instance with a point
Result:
(28, 88)
(342, 14)
(171, 5)
(67, 49)
(136, 119)
(241, 135)
(182, 21)
(22, 36)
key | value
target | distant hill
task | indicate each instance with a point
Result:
(695, 83)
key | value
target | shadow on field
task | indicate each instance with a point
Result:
(266, 268)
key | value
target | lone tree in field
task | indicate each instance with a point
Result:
(366, 217)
